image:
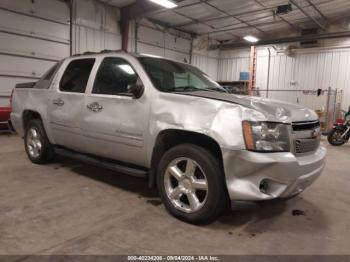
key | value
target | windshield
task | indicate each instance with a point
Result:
(170, 76)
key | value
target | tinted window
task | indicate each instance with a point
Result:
(170, 76)
(49, 74)
(76, 75)
(114, 77)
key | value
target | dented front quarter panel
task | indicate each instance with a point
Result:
(219, 120)
(219, 116)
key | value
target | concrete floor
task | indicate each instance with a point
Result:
(71, 208)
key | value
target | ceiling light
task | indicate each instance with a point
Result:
(164, 3)
(251, 38)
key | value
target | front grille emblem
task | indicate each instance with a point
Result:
(315, 133)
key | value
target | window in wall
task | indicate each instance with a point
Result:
(114, 77)
(76, 75)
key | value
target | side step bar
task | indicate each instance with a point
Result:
(108, 164)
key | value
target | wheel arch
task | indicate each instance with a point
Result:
(169, 138)
(28, 115)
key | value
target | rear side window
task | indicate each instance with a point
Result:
(114, 77)
(49, 74)
(76, 75)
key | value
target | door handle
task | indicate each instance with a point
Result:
(94, 107)
(58, 102)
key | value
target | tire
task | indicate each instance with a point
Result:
(178, 193)
(332, 140)
(37, 146)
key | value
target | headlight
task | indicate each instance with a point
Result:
(266, 136)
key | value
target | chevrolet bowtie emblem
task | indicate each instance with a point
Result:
(315, 133)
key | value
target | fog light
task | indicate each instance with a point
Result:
(264, 186)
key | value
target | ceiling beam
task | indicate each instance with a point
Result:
(283, 40)
(293, 26)
(234, 16)
(139, 9)
(307, 15)
(317, 10)
(238, 28)
(166, 25)
(227, 16)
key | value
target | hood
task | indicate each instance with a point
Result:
(273, 110)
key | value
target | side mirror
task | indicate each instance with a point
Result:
(136, 90)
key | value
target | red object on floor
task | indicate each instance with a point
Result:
(4, 117)
(340, 121)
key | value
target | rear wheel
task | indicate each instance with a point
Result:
(191, 184)
(334, 137)
(37, 145)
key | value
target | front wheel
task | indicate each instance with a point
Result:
(191, 184)
(334, 137)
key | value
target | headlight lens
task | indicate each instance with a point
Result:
(266, 136)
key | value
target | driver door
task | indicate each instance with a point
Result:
(114, 122)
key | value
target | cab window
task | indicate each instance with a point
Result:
(114, 77)
(76, 75)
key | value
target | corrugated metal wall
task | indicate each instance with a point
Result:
(207, 61)
(158, 42)
(95, 26)
(307, 69)
(29, 32)
(231, 63)
(36, 34)
(155, 41)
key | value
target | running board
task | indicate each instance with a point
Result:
(104, 163)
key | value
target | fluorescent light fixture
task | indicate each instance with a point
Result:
(251, 38)
(127, 69)
(164, 3)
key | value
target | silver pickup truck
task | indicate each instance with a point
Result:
(168, 121)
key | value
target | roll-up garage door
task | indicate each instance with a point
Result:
(34, 34)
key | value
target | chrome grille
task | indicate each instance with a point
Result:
(306, 145)
(299, 126)
(306, 136)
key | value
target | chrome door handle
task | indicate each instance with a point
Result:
(58, 102)
(94, 107)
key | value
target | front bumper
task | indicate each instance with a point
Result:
(252, 176)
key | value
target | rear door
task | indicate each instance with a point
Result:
(67, 101)
(114, 122)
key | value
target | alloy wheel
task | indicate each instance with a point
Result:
(186, 185)
(34, 144)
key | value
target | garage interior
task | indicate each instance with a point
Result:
(297, 51)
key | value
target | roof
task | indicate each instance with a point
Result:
(232, 19)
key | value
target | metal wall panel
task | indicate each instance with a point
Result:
(307, 69)
(95, 27)
(32, 26)
(162, 43)
(156, 42)
(88, 39)
(47, 9)
(207, 62)
(229, 69)
(231, 63)
(24, 67)
(33, 35)
(32, 47)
